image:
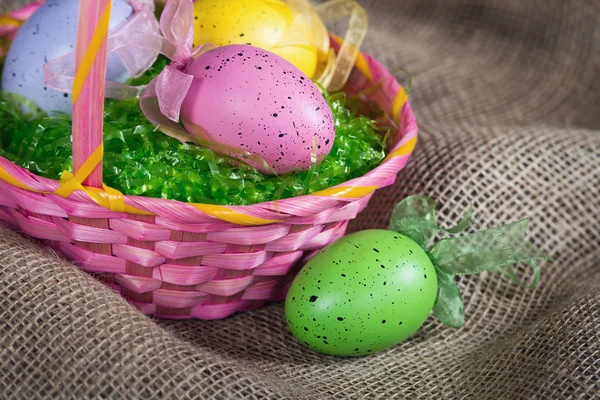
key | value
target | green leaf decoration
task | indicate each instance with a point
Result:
(485, 250)
(509, 272)
(495, 249)
(415, 218)
(449, 308)
(464, 223)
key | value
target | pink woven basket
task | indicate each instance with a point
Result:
(182, 260)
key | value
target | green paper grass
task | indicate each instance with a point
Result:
(138, 160)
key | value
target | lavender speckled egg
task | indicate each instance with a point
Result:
(254, 100)
(50, 33)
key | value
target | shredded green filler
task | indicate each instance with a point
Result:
(138, 160)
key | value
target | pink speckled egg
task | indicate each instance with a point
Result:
(256, 101)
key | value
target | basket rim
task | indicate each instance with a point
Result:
(366, 68)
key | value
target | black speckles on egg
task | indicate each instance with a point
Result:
(313, 298)
(364, 303)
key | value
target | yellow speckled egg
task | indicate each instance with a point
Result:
(261, 23)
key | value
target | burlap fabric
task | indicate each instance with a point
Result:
(507, 93)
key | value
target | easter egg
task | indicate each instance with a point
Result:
(48, 34)
(364, 293)
(260, 23)
(256, 101)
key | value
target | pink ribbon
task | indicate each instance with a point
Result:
(172, 85)
(162, 99)
(137, 43)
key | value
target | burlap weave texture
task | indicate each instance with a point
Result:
(507, 95)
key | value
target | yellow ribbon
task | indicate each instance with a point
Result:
(85, 66)
(227, 214)
(347, 192)
(404, 150)
(399, 102)
(360, 63)
(338, 66)
(106, 197)
(8, 178)
(7, 20)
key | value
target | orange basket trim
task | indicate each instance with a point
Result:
(347, 192)
(6, 177)
(403, 150)
(399, 102)
(227, 214)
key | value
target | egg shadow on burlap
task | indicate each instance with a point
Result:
(261, 336)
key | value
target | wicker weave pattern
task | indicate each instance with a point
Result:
(176, 260)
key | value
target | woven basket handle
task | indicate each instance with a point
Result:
(88, 90)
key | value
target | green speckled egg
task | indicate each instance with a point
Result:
(362, 294)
